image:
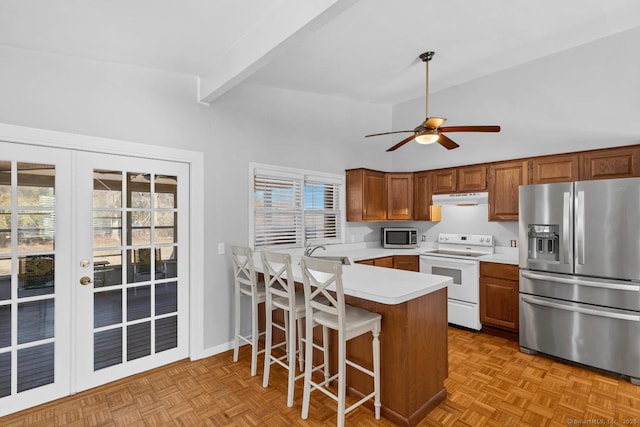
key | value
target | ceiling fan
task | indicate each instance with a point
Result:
(432, 130)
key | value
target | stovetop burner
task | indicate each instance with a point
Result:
(470, 246)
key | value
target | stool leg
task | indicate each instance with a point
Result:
(267, 342)
(254, 337)
(300, 348)
(342, 385)
(237, 326)
(308, 366)
(291, 355)
(325, 348)
(376, 372)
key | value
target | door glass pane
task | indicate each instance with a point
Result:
(5, 374)
(107, 229)
(36, 184)
(165, 227)
(36, 274)
(107, 308)
(5, 279)
(138, 303)
(140, 227)
(107, 348)
(36, 320)
(166, 298)
(169, 265)
(36, 230)
(139, 190)
(5, 230)
(5, 326)
(107, 268)
(35, 366)
(138, 340)
(5, 183)
(166, 333)
(107, 189)
(166, 194)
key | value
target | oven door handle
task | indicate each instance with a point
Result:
(453, 261)
(581, 282)
(600, 313)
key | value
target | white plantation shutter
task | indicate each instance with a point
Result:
(277, 210)
(291, 209)
(322, 216)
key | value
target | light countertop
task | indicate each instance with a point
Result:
(377, 284)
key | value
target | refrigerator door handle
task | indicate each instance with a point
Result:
(575, 309)
(580, 227)
(566, 215)
(581, 282)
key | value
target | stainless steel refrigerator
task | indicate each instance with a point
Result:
(580, 273)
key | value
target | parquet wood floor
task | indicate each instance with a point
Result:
(490, 383)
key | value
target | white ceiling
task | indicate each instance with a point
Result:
(366, 50)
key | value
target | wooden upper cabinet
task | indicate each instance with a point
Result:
(560, 168)
(400, 196)
(505, 179)
(422, 196)
(611, 163)
(366, 195)
(444, 181)
(472, 178)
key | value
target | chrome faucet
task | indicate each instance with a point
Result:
(308, 250)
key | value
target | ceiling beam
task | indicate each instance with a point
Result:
(286, 22)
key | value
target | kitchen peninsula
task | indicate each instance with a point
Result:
(413, 341)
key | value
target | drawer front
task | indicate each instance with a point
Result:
(501, 271)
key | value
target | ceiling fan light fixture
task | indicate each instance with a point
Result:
(427, 137)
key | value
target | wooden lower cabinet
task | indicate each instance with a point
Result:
(406, 262)
(499, 299)
(400, 262)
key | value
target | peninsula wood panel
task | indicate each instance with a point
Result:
(399, 196)
(413, 356)
(611, 163)
(505, 180)
(386, 261)
(472, 178)
(560, 168)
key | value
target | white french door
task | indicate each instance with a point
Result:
(94, 276)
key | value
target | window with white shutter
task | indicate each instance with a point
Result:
(292, 207)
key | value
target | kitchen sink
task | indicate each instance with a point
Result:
(343, 259)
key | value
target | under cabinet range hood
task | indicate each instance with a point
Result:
(461, 199)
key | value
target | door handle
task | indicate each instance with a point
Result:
(582, 310)
(566, 212)
(85, 280)
(580, 227)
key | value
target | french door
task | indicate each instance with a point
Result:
(94, 277)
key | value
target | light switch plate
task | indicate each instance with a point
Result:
(220, 248)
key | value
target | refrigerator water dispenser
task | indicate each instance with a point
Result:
(543, 241)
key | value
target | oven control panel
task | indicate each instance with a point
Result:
(466, 239)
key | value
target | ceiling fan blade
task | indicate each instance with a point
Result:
(470, 129)
(447, 142)
(401, 143)
(387, 133)
(433, 122)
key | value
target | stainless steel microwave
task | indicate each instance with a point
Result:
(396, 237)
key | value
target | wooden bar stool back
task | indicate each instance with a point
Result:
(281, 294)
(329, 310)
(246, 283)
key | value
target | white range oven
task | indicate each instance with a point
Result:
(457, 256)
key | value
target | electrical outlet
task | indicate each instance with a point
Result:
(220, 248)
(423, 238)
(513, 243)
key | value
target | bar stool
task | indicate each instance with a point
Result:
(281, 294)
(348, 321)
(246, 283)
